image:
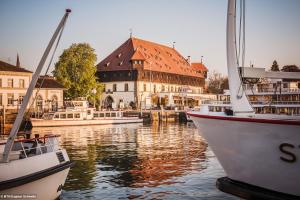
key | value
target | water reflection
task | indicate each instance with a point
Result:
(133, 156)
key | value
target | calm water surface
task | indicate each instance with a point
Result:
(135, 161)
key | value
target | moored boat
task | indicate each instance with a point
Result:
(259, 152)
(78, 112)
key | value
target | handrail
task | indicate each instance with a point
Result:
(32, 139)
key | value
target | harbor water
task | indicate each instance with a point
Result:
(136, 161)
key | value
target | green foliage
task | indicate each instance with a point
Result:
(290, 68)
(76, 70)
(275, 66)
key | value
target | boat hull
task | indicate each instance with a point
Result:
(43, 180)
(48, 123)
(266, 155)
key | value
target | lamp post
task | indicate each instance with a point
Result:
(94, 91)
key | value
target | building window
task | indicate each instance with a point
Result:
(10, 99)
(126, 87)
(21, 83)
(21, 97)
(162, 88)
(145, 87)
(285, 85)
(10, 83)
(0, 82)
(114, 87)
(1, 100)
(154, 88)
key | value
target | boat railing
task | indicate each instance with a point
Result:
(273, 90)
(215, 102)
(25, 148)
(275, 102)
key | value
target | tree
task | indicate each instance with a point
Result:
(217, 83)
(290, 68)
(76, 70)
(275, 66)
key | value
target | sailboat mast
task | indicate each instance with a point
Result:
(30, 89)
(240, 103)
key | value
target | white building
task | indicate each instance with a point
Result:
(14, 82)
(144, 74)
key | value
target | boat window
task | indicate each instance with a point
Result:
(95, 114)
(107, 114)
(89, 112)
(56, 116)
(63, 116)
(101, 114)
(70, 115)
(77, 115)
(113, 114)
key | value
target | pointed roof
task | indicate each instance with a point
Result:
(156, 57)
(138, 56)
(11, 68)
(199, 66)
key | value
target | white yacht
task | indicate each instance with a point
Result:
(78, 112)
(33, 168)
(259, 152)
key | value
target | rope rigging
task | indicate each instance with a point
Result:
(240, 50)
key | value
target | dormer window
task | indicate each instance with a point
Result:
(107, 64)
(121, 63)
(119, 55)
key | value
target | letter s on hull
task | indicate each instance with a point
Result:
(289, 156)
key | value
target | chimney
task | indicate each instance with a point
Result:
(174, 45)
(189, 59)
(18, 61)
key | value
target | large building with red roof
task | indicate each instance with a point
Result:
(144, 73)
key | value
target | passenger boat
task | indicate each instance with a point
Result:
(78, 112)
(260, 153)
(33, 168)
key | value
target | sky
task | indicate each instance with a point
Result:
(197, 26)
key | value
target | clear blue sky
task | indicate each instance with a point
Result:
(197, 26)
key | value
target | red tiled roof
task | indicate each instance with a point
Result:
(49, 82)
(11, 68)
(199, 66)
(156, 57)
(138, 56)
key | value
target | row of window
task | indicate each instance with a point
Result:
(10, 83)
(126, 87)
(170, 89)
(163, 88)
(10, 99)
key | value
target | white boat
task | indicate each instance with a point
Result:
(259, 153)
(78, 113)
(33, 168)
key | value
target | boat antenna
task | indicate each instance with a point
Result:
(17, 123)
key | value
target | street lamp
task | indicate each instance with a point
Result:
(94, 91)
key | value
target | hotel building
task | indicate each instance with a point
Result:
(145, 74)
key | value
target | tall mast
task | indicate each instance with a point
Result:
(30, 89)
(239, 101)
